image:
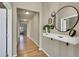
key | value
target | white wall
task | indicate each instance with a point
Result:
(29, 27)
(52, 47)
(34, 30)
(34, 6)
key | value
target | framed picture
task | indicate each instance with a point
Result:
(50, 21)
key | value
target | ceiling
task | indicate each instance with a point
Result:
(21, 14)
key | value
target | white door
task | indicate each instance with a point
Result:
(2, 32)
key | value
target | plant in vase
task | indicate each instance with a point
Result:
(48, 27)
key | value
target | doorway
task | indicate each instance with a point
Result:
(31, 39)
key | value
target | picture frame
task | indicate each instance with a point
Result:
(50, 21)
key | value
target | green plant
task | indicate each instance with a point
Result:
(48, 27)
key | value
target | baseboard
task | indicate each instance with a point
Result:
(34, 41)
(15, 55)
(40, 49)
(45, 52)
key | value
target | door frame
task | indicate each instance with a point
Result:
(40, 26)
(9, 29)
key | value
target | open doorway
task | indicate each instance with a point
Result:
(28, 33)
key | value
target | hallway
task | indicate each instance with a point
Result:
(30, 50)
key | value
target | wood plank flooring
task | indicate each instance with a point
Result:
(29, 49)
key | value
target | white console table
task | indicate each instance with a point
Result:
(63, 38)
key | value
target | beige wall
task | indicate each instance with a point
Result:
(53, 47)
(36, 6)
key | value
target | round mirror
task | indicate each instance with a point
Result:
(66, 18)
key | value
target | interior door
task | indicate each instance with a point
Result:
(2, 32)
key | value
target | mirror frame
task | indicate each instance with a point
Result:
(73, 25)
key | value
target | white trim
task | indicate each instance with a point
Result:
(40, 48)
(40, 30)
(9, 34)
(45, 52)
(7, 5)
(15, 55)
(34, 41)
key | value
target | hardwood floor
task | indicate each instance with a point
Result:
(29, 49)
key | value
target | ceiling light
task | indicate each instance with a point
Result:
(27, 12)
(25, 20)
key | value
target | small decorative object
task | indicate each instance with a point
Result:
(48, 27)
(47, 30)
(72, 32)
(49, 21)
(52, 26)
(53, 14)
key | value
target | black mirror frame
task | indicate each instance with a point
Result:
(72, 26)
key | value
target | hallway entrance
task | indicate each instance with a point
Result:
(28, 33)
